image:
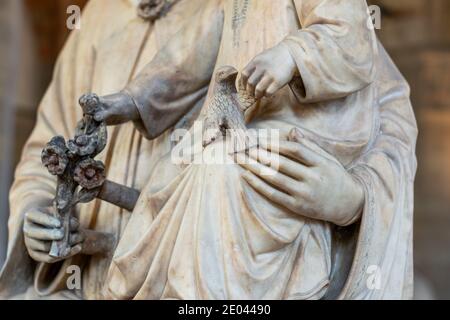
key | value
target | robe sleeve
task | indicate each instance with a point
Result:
(57, 114)
(334, 50)
(179, 75)
(382, 266)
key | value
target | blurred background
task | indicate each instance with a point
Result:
(415, 32)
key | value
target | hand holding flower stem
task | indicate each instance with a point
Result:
(81, 178)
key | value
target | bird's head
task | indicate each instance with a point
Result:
(226, 74)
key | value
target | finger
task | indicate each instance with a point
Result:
(246, 74)
(262, 86)
(43, 219)
(37, 245)
(284, 183)
(101, 116)
(39, 233)
(297, 136)
(42, 257)
(250, 89)
(76, 238)
(46, 258)
(284, 165)
(293, 150)
(253, 81)
(272, 89)
(267, 191)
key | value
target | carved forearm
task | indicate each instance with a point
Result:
(97, 242)
(119, 195)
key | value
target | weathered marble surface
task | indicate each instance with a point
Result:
(347, 79)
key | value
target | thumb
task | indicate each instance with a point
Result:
(101, 116)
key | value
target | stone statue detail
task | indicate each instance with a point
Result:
(225, 113)
(339, 201)
(79, 175)
(81, 178)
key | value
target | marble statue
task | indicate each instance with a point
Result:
(332, 221)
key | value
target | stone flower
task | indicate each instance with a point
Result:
(54, 156)
(90, 174)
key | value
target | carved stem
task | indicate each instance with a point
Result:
(65, 190)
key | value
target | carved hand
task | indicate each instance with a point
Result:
(269, 71)
(116, 109)
(313, 184)
(41, 228)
